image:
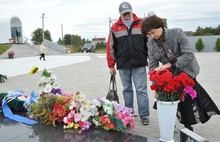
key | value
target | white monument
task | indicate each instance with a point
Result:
(11, 30)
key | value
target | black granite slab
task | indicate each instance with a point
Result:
(12, 131)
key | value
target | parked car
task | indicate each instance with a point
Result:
(88, 47)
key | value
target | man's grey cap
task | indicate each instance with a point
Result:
(124, 7)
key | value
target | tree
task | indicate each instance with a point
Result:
(217, 45)
(37, 36)
(60, 41)
(207, 31)
(100, 45)
(67, 39)
(75, 41)
(199, 45)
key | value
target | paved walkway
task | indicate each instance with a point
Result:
(91, 78)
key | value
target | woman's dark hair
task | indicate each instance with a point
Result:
(151, 22)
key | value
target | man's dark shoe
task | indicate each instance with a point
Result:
(145, 121)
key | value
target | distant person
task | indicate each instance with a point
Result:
(11, 55)
(42, 52)
(171, 48)
(127, 49)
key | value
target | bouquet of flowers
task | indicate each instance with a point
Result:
(171, 88)
(54, 106)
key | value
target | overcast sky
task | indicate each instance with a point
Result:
(90, 18)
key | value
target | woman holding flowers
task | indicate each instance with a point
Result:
(171, 48)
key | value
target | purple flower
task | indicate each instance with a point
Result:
(86, 125)
(56, 91)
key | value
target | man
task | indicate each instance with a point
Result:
(42, 52)
(127, 48)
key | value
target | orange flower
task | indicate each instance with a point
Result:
(111, 125)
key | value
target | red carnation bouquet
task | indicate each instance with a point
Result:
(171, 88)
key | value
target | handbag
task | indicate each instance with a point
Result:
(112, 94)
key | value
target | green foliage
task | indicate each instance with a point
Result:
(37, 36)
(75, 41)
(60, 41)
(207, 31)
(199, 45)
(100, 47)
(4, 47)
(119, 125)
(42, 109)
(217, 45)
(46, 73)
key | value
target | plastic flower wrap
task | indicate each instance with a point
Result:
(171, 88)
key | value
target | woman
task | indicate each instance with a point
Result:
(171, 48)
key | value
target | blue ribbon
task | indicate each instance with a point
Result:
(7, 111)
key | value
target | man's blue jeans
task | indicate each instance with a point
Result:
(139, 77)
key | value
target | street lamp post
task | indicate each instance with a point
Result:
(43, 26)
(110, 21)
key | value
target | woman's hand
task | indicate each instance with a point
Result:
(165, 66)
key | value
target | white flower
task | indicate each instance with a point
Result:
(84, 109)
(83, 117)
(47, 88)
(56, 85)
(96, 102)
(72, 105)
(108, 107)
(46, 80)
(96, 122)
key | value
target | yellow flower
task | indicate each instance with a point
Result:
(34, 70)
(76, 126)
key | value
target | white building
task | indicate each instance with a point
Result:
(11, 30)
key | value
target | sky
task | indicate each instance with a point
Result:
(90, 18)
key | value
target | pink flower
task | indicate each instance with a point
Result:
(65, 120)
(119, 115)
(189, 90)
(193, 94)
(31, 116)
(71, 114)
(76, 117)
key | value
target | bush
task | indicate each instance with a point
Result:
(199, 45)
(217, 45)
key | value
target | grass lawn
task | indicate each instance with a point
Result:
(100, 51)
(4, 47)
